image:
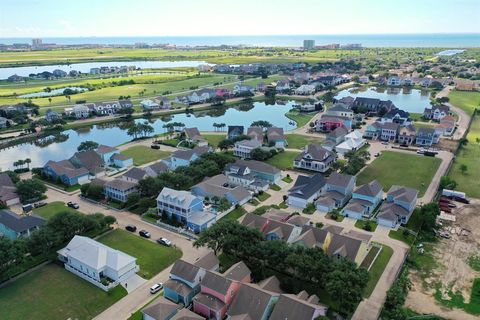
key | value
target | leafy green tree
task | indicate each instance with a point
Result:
(30, 189)
(132, 199)
(223, 205)
(264, 124)
(87, 145)
(447, 183)
(225, 144)
(463, 168)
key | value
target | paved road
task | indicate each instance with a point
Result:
(141, 296)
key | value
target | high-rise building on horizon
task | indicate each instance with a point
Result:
(37, 43)
(308, 44)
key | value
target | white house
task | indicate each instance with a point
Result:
(305, 89)
(353, 141)
(243, 148)
(148, 104)
(80, 111)
(98, 264)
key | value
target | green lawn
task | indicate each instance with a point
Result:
(283, 160)
(287, 179)
(52, 292)
(469, 155)
(398, 168)
(151, 257)
(299, 117)
(275, 187)
(298, 141)
(465, 100)
(361, 224)
(377, 269)
(214, 139)
(52, 209)
(263, 196)
(235, 214)
(144, 154)
(399, 235)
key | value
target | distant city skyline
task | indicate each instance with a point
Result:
(108, 18)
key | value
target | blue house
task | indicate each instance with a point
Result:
(364, 201)
(398, 206)
(112, 156)
(66, 172)
(183, 158)
(121, 160)
(338, 190)
(184, 282)
(426, 137)
(276, 138)
(14, 226)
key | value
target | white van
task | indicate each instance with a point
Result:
(155, 288)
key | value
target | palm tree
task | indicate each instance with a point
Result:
(27, 162)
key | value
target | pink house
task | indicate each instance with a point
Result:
(222, 92)
(218, 291)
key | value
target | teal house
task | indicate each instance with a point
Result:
(14, 226)
(184, 282)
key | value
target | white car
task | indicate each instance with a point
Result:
(164, 242)
(156, 287)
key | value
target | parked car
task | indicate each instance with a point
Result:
(164, 242)
(27, 208)
(155, 146)
(452, 205)
(144, 233)
(445, 235)
(73, 205)
(131, 228)
(385, 143)
(156, 287)
(39, 204)
(377, 154)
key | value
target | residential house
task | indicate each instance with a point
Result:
(148, 104)
(364, 201)
(372, 105)
(363, 79)
(234, 131)
(162, 309)
(398, 206)
(427, 137)
(346, 101)
(14, 226)
(340, 110)
(338, 190)
(276, 137)
(446, 126)
(272, 229)
(119, 189)
(163, 102)
(4, 122)
(95, 262)
(305, 190)
(121, 161)
(192, 135)
(223, 93)
(283, 86)
(305, 89)
(337, 135)
(290, 306)
(301, 77)
(183, 158)
(407, 135)
(252, 302)
(396, 116)
(261, 87)
(241, 88)
(243, 148)
(184, 282)
(315, 158)
(66, 172)
(387, 131)
(255, 133)
(91, 160)
(80, 111)
(259, 169)
(436, 112)
(106, 153)
(327, 123)
(271, 284)
(329, 80)
(134, 175)
(219, 187)
(209, 261)
(8, 191)
(352, 142)
(52, 116)
(184, 207)
(156, 168)
(106, 108)
(394, 81)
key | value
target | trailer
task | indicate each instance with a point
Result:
(453, 194)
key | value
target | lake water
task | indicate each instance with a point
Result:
(114, 134)
(51, 93)
(85, 67)
(411, 100)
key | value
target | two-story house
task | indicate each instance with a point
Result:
(14, 226)
(305, 190)
(340, 110)
(407, 135)
(398, 206)
(184, 282)
(315, 158)
(193, 135)
(119, 189)
(364, 201)
(183, 158)
(353, 141)
(436, 112)
(276, 137)
(219, 187)
(8, 190)
(234, 132)
(252, 302)
(384, 131)
(66, 172)
(338, 190)
(337, 136)
(427, 137)
(327, 123)
(259, 169)
(243, 148)
(290, 306)
(397, 116)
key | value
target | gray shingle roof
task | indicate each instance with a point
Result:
(402, 193)
(208, 262)
(257, 166)
(290, 307)
(305, 186)
(19, 223)
(339, 180)
(316, 152)
(162, 309)
(216, 282)
(238, 271)
(135, 173)
(370, 189)
(250, 300)
(120, 184)
(102, 149)
(185, 270)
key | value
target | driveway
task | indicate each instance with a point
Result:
(133, 283)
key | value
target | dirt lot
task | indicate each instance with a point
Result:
(449, 267)
(448, 145)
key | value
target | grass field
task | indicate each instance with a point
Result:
(283, 160)
(465, 100)
(362, 223)
(52, 209)
(300, 118)
(235, 214)
(298, 141)
(151, 257)
(263, 196)
(377, 269)
(144, 154)
(214, 139)
(411, 171)
(469, 155)
(399, 235)
(54, 293)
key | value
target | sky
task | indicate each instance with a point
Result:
(106, 18)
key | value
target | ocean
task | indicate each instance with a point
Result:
(466, 40)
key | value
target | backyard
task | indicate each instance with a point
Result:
(144, 154)
(283, 160)
(297, 141)
(468, 156)
(52, 209)
(151, 257)
(52, 292)
(411, 171)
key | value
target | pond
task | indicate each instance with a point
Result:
(85, 67)
(51, 93)
(114, 134)
(407, 99)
